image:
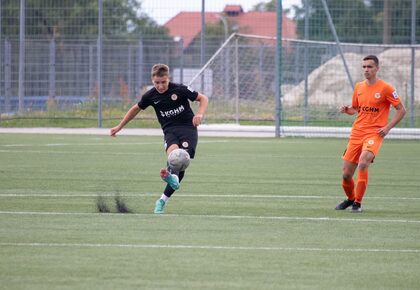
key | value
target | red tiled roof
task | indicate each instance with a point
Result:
(264, 23)
(188, 24)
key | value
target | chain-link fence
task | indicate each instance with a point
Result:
(66, 60)
(241, 84)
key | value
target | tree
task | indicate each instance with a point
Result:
(269, 6)
(262, 6)
(358, 20)
(397, 14)
(77, 19)
(343, 13)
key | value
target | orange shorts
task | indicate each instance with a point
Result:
(355, 147)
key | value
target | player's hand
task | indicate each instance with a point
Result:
(343, 109)
(383, 131)
(115, 130)
(197, 119)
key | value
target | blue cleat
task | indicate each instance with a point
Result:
(159, 207)
(169, 178)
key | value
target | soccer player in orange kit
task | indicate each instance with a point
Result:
(372, 99)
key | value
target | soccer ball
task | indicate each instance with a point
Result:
(178, 160)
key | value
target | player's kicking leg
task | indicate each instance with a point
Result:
(169, 178)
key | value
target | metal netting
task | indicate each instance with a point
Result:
(59, 76)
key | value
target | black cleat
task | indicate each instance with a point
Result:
(357, 207)
(344, 204)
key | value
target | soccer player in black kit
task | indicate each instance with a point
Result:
(179, 124)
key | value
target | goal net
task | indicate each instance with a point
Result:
(239, 80)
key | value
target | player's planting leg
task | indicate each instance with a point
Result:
(356, 207)
(160, 206)
(161, 202)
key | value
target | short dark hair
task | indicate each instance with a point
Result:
(372, 57)
(160, 70)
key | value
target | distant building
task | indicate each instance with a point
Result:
(187, 25)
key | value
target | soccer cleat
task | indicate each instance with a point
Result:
(169, 178)
(160, 205)
(357, 207)
(344, 204)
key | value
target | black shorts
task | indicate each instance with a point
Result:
(185, 137)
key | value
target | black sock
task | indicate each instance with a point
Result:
(169, 190)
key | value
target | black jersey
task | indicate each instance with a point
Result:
(173, 106)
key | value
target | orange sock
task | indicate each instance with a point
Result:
(348, 186)
(361, 184)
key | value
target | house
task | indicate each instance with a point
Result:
(187, 25)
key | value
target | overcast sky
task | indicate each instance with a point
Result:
(163, 10)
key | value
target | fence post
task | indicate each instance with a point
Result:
(21, 91)
(305, 64)
(7, 75)
(278, 66)
(413, 60)
(202, 41)
(51, 91)
(236, 81)
(0, 44)
(129, 72)
(140, 65)
(99, 48)
(91, 72)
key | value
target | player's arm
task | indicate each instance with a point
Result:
(203, 100)
(132, 112)
(354, 107)
(399, 114)
(349, 110)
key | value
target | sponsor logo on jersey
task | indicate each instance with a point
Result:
(367, 109)
(395, 94)
(174, 97)
(172, 113)
(377, 95)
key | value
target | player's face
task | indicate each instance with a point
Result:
(161, 83)
(369, 69)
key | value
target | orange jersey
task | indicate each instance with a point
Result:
(373, 103)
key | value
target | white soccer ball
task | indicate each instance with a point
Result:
(178, 160)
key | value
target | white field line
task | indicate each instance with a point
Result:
(237, 217)
(210, 247)
(242, 196)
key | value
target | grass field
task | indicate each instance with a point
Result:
(250, 214)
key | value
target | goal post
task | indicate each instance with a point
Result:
(242, 80)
